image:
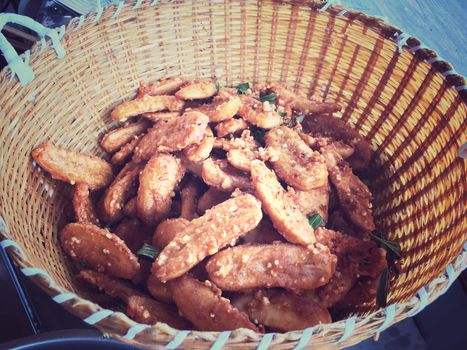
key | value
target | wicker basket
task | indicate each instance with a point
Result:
(407, 102)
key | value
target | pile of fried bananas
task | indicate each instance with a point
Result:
(225, 185)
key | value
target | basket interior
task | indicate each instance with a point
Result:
(414, 120)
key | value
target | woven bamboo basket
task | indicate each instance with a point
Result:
(405, 100)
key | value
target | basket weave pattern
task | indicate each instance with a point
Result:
(413, 116)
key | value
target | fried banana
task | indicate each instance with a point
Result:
(166, 86)
(202, 304)
(261, 114)
(167, 230)
(117, 138)
(284, 213)
(146, 104)
(241, 158)
(158, 116)
(219, 226)
(133, 233)
(223, 107)
(318, 142)
(220, 174)
(197, 89)
(189, 196)
(315, 201)
(124, 153)
(118, 193)
(338, 130)
(230, 126)
(282, 311)
(100, 249)
(130, 208)
(264, 233)
(340, 284)
(271, 265)
(354, 196)
(73, 167)
(298, 164)
(172, 135)
(149, 311)
(157, 183)
(83, 206)
(201, 151)
(160, 291)
(210, 198)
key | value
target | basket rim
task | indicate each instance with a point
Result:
(342, 331)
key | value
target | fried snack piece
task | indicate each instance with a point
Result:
(167, 230)
(113, 287)
(241, 158)
(157, 116)
(336, 129)
(317, 142)
(245, 141)
(358, 256)
(261, 114)
(197, 89)
(198, 153)
(100, 249)
(160, 291)
(172, 135)
(338, 222)
(219, 226)
(133, 233)
(73, 167)
(263, 233)
(202, 304)
(218, 173)
(230, 126)
(148, 311)
(130, 208)
(271, 265)
(118, 193)
(284, 213)
(193, 167)
(166, 86)
(210, 198)
(363, 291)
(189, 195)
(157, 183)
(354, 196)
(116, 138)
(339, 285)
(298, 164)
(126, 151)
(146, 104)
(282, 311)
(83, 206)
(315, 201)
(223, 107)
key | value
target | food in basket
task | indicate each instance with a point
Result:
(214, 190)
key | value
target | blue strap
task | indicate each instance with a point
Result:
(98, 316)
(401, 41)
(449, 72)
(99, 10)
(390, 314)
(451, 277)
(305, 338)
(349, 328)
(137, 4)
(63, 297)
(133, 331)
(435, 59)
(326, 6)
(461, 87)
(177, 340)
(154, 2)
(266, 341)
(119, 9)
(3, 226)
(423, 295)
(342, 13)
(19, 67)
(221, 340)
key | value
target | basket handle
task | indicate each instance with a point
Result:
(18, 67)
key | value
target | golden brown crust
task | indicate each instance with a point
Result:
(241, 158)
(315, 201)
(167, 230)
(223, 107)
(157, 183)
(113, 287)
(264, 233)
(189, 198)
(202, 304)
(124, 153)
(282, 311)
(204, 236)
(210, 198)
(118, 193)
(281, 265)
(354, 196)
(201, 151)
(172, 135)
(230, 126)
(149, 311)
(133, 233)
(73, 167)
(284, 213)
(130, 208)
(158, 116)
(166, 86)
(117, 138)
(218, 173)
(146, 104)
(261, 114)
(196, 90)
(83, 206)
(99, 249)
(317, 142)
(298, 164)
(339, 285)
(160, 291)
